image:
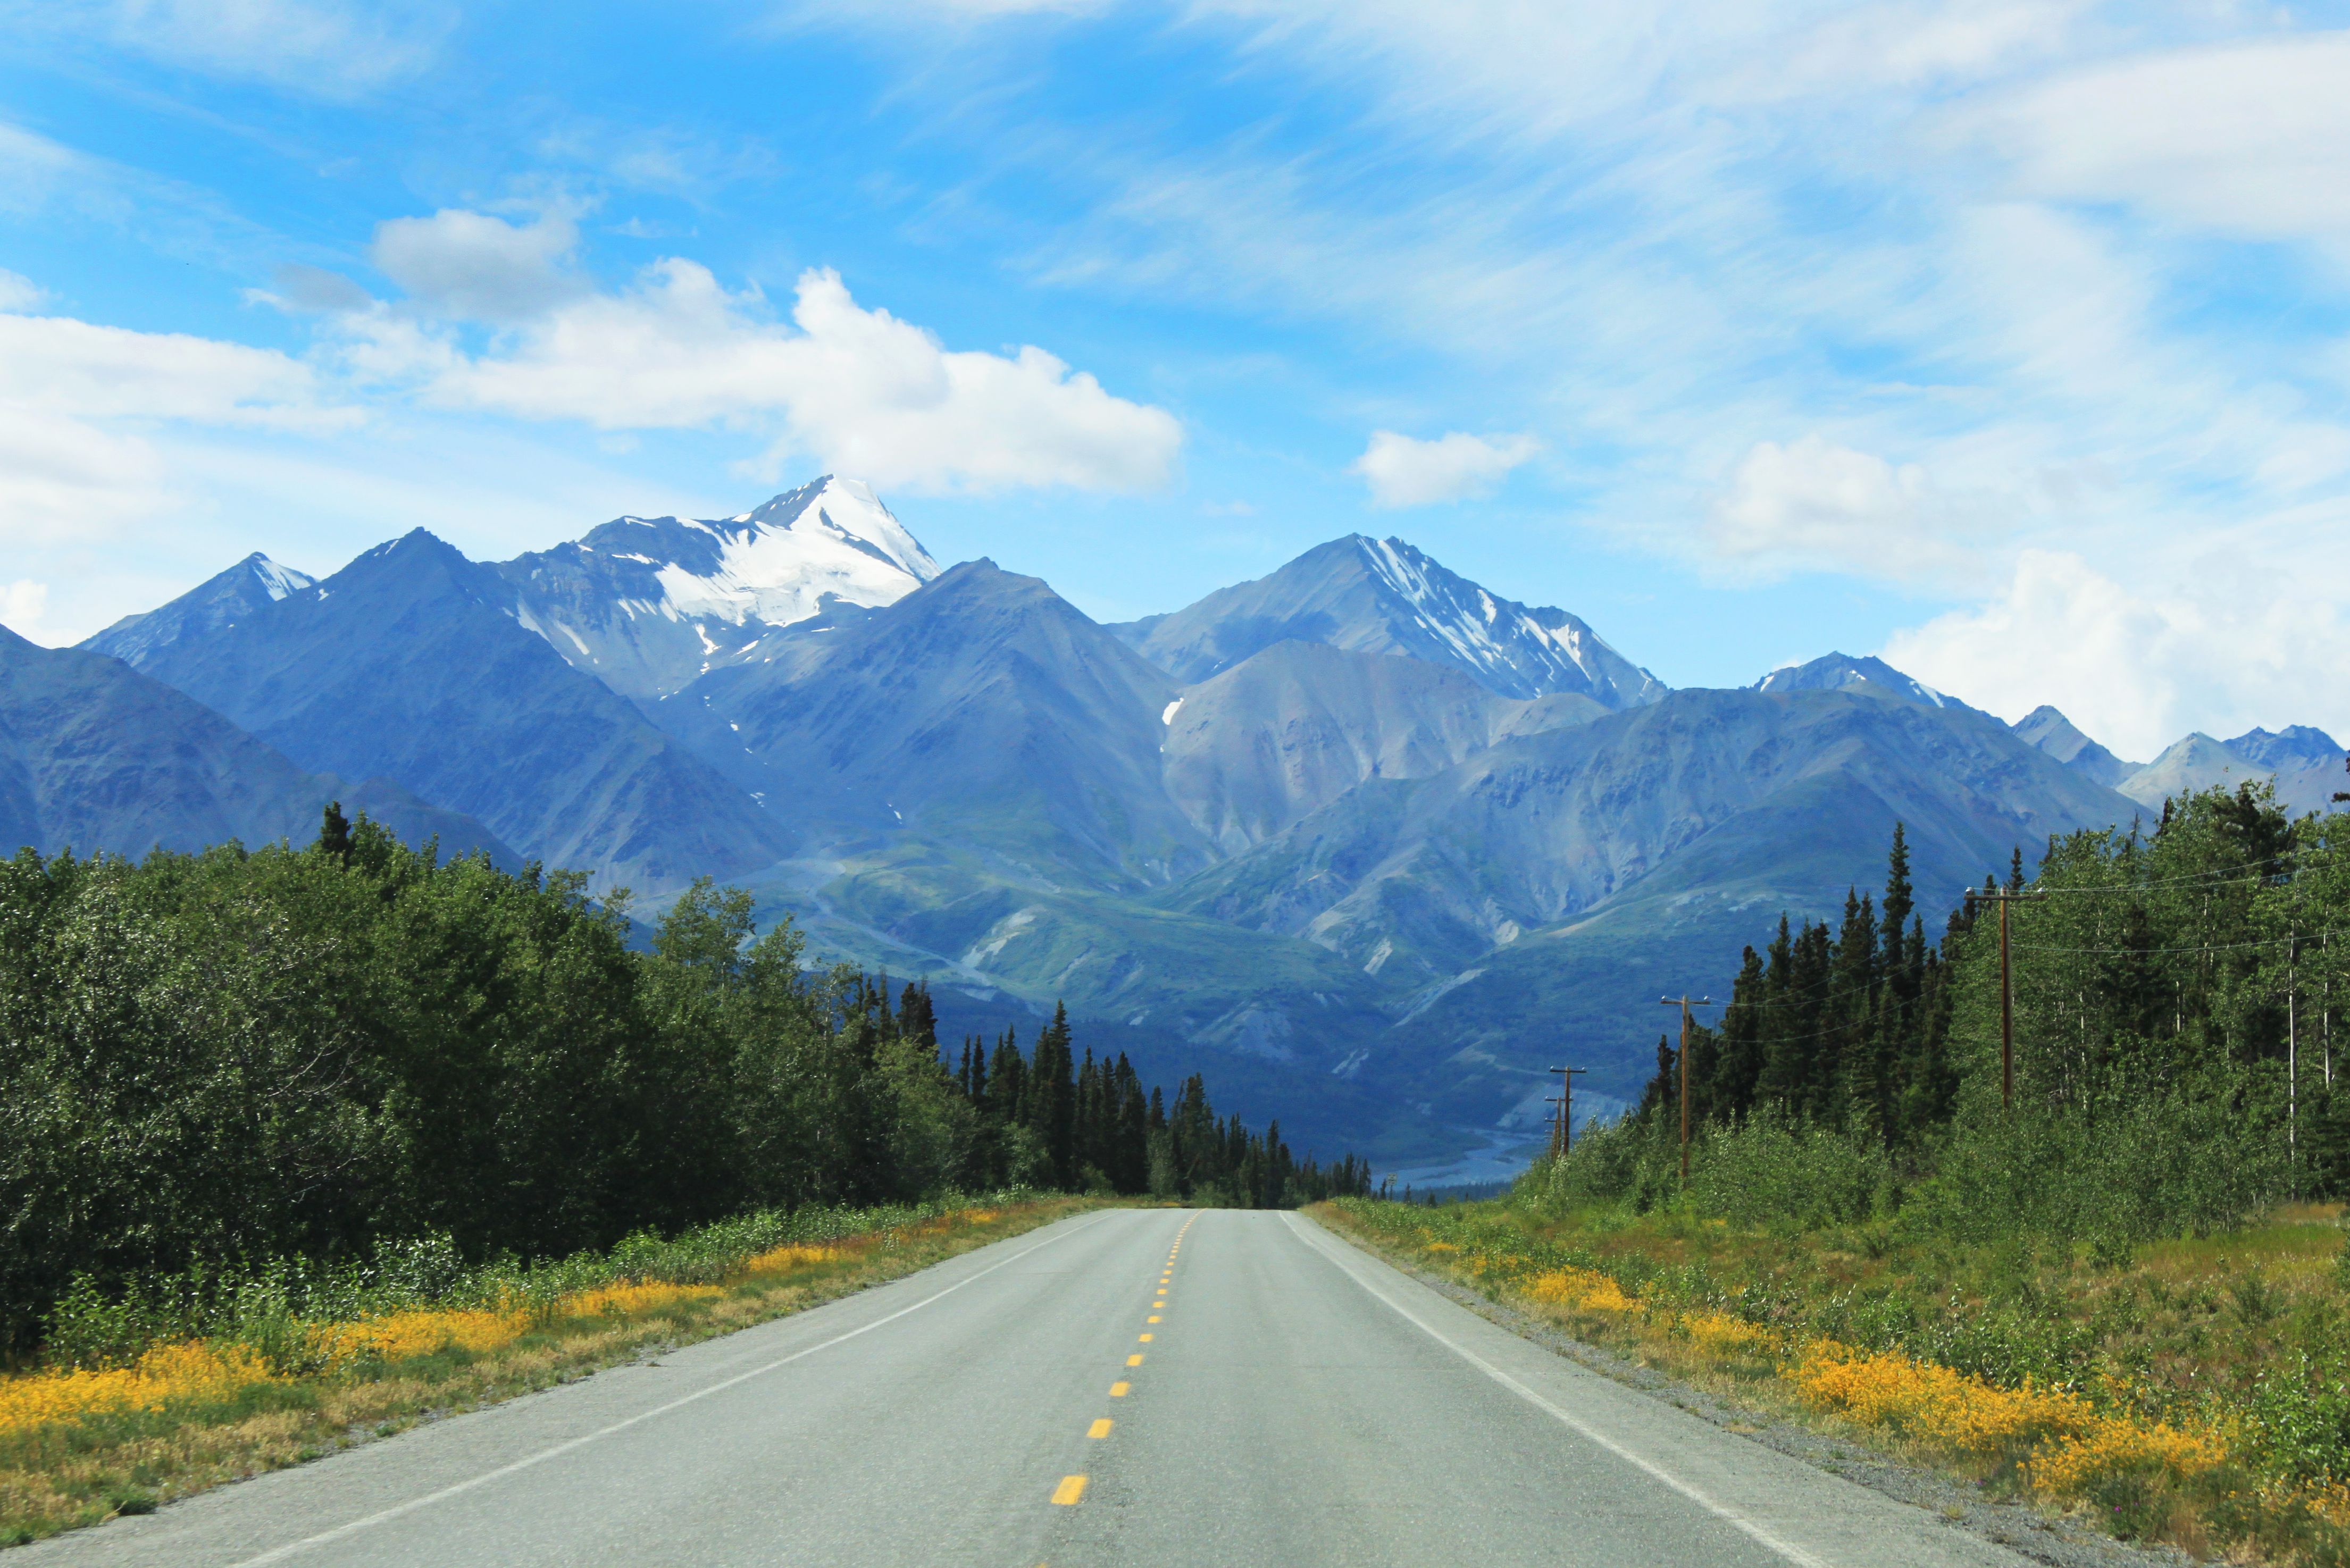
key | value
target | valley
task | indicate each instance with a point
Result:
(1372, 843)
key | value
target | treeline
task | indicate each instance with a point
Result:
(1846, 1026)
(222, 1058)
(1086, 1127)
(2174, 999)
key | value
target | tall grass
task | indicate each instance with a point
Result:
(2134, 1168)
(283, 1310)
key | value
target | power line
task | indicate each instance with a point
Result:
(2194, 948)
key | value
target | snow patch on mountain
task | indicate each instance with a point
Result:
(277, 579)
(648, 604)
(833, 539)
(1841, 672)
(1498, 639)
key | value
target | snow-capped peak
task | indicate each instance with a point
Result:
(777, 564)
(1507, 645)
(278, 580)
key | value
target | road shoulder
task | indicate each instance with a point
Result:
(2060, 1543)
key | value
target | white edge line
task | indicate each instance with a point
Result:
(1721, 1511)
(279, 1553)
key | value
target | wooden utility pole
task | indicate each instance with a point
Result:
(1685, 1004)
(1561, 1135)
(2004, 896)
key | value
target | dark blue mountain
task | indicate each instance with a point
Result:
(982, 708)
(410, 664)
(96, 756)
(248, 588)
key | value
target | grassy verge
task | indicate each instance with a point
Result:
(2195, 1392)
(78, 1445)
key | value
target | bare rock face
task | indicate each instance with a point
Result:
(1545, 830)
(1292, 727)
(1381, 595)
(2053, 734)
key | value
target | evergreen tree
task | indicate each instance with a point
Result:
(335, 833)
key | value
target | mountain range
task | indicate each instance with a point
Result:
(1371, 842)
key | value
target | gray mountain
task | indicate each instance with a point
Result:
(648, 604)
(1290, 729)
(1548, 889)
(2306, 765)
(2294, 747)
(1538, 830)
(982, 708)
(408, 663)
(2053, 734)
(96, 756)
(250, 586)
(1381, 595)
(1842, 672)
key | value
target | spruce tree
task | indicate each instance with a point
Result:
(334, 832)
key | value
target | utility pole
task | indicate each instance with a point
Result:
(2004, 896)
(2293, 1059)
(1685, 1002)
(1561, 1137)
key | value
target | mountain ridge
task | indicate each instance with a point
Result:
(1379, 596)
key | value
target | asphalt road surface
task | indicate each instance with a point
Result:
(1287, 1400)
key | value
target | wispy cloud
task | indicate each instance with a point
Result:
(329, 48)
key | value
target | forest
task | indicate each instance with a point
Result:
(2172, 1067)
(242, 1058)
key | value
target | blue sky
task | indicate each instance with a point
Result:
(2010, 338)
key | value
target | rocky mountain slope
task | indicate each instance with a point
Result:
(2053, 734)
(982, 709)
(1376, 838)
(1294, 727)
(1708, 785)
(96, 756)
(408, 664)
(248, 588)
(648, 604)
(1381, 595)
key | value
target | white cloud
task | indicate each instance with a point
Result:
(23, 603)
(859, 391)
(18, 291)
(317, 47)
(64, 479)
(57, 365)
(2138, 671)
(476, 268)
(2247, 138)
(1911, 45)
(1405, 472)
(1813, 503)
(79, 403)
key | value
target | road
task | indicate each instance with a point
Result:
(1287, 1400)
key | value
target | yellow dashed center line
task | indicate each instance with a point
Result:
(1152, 1318)
(1073, 1488)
